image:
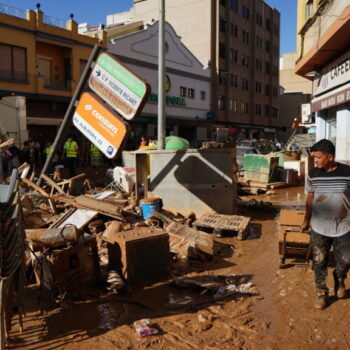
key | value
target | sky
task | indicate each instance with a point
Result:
(94, 12)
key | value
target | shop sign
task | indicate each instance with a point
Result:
(169, 100)
(120, 88)
(102, 126)
(331, 100)
(333, 75)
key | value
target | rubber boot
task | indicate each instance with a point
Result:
(321, 299)
(339, 286)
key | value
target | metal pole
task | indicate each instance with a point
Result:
(70, 108)
(161, 76)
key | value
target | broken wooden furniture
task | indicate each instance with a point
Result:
(69, 267)
(292, 243)
(140, 256)
(223, 225)
(188, 242)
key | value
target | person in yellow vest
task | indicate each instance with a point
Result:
(95, 156)
(71, 151)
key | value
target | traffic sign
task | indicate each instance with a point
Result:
(99, 124)
(118, 86)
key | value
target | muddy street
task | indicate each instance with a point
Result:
(276, 313)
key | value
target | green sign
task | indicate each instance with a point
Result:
(169, 100)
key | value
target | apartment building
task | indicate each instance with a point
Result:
(324, 58)
(41, 61)
(239, 41)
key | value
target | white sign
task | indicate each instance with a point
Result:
(333, 75)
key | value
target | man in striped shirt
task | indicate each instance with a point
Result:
(328, 215)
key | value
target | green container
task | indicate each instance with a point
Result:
(175, 142)
(261, 168)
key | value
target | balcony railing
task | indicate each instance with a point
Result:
(13, 11)
(64, 85)
(15, 76)
(52, 21)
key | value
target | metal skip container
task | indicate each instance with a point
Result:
(198, 180)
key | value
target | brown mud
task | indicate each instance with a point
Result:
(280, 316)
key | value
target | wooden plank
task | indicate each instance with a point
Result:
(36, 187)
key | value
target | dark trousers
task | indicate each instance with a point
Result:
(71, 166)
(321, 246)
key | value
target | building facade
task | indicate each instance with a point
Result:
(41, 61)
(324, 57)
(187, 82)
(239, 41)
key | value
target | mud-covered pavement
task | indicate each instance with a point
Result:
(279, 316)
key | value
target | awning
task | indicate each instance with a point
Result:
(332, 98)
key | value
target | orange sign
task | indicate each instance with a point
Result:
(99, 124)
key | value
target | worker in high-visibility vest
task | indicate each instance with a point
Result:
(48, 149)
(95, 156)
(71, 151)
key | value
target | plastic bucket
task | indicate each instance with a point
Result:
(148, 207)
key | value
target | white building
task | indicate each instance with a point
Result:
(187, 83)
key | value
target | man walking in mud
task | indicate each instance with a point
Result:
(328, 215)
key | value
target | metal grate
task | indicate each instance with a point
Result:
(52, 21)
(13, 11)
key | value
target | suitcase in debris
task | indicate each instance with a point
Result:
(223, 225)
(141, 256)
(292, 243)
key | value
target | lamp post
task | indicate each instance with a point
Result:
(161, 76)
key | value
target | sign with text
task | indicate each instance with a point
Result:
(99, 124)
(118, 86)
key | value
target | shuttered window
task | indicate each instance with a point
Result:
(13, 62)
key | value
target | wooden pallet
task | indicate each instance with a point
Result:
(223, 225)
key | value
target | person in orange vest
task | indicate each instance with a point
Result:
(71, 151)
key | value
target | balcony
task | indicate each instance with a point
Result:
(62, 85)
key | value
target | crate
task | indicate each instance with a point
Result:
(223, 225)
(141, 256)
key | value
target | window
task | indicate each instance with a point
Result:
(190, 93)
(82, 66)
(245, 36)
(309, 8)
(202, 95)
(183, 91)
(275, 28)
(267, 24)
(222, 77)
(244, 107)
(267, 46)
(267, 67)
(234, 29)
(267, 110)
(13, 62)
(230, 105)
(258, 109)
(274, 112)
(259, 19)
(245, 60)
(222, 51)
(234, 5)
(267, 90)
(245, 12)
(259, 42)
(221, 102)
(222, 24)
(258, 87)
(245, 84)
(274, 91)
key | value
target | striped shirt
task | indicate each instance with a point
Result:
(331, 205)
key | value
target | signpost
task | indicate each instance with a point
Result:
(99, 124)
(121, 89)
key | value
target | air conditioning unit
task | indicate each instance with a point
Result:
(307, 117)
